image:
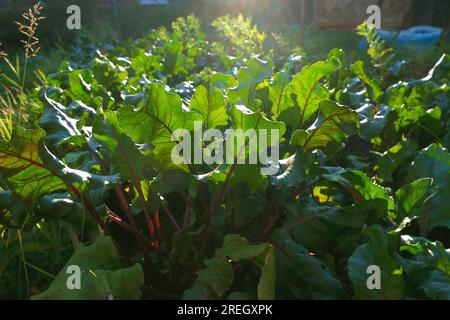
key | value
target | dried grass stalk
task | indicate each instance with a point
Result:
(29, 27)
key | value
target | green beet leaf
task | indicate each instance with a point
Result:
(155, 120)
(211, 104)
(376, 253)
(218, 274)
(249, 77)
(101, 276)
(23, 168)
(333, 124)
(307, 88)
(301, 275)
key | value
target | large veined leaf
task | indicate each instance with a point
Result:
(155, 119)
(376, 253)
(218, 274)
(434, 162)
(211, 104)
(101, 276)
(23, 168)
(249, 77)
(300, 274)
(253, 135)
(333, 124)
(121, 152)
(31, 170)
(59, 127)
(308, 90)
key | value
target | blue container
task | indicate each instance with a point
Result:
(423, 37)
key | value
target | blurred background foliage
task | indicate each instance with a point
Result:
(131, 20)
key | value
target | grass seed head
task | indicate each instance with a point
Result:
(32, 17)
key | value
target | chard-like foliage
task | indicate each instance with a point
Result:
(361, 180)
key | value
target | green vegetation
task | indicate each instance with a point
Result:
(86, 176)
